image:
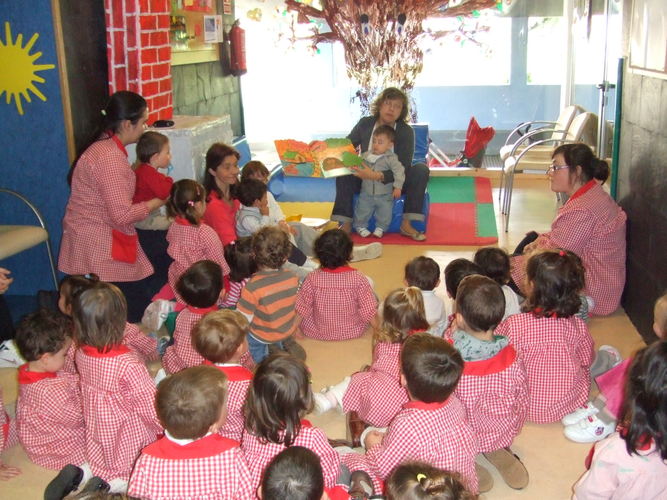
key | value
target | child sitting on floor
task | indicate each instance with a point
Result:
(455, 271)
(200, 287)
(433, 426)
(220, 338)
(192, 460)
(402, 314)
(49, 416)
(495, 263)
(493, 385)
(278, 399)
(632, 463)
(335, 288)
(553, 343)
(419, 480)
(424, 273)
(242, 266)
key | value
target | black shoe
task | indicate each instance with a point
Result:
(361, 485)
(95, 484)
(67, 480)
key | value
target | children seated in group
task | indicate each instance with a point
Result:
(493, 386)
(117, 392)
(334, 288)
(424, 273)
(190, 240)
(192, 460)
(555, 345)
(200, 287)
(495, 263)
(632, 462)
(242, 266)
(49, 415)
(269, 296)
(418, 480)
(375, 196)
(376, 394)
(220, 338)
(279, 397)
(432, 426)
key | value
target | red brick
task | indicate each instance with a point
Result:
(134, 87)
(131, 30)
(164, 54)
(146, 72)
(159, 38)
(149, 89)
(143, 6)
(133, 64)
(160, 70)
(120, 79)
(148, 56)
(159, 6)
(161, 101)
(145, 40)
(148, 22)
(107, 20)
(118, 15)
(130, 6)
(163, 22)
(119, 46)
(165, 85)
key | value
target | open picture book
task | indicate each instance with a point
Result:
(327, 158)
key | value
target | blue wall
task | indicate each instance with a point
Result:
(34, 160)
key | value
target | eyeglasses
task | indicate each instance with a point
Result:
(554, 168)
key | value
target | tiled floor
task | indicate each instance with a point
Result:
(553, 462)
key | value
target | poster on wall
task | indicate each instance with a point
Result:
(227, 7)
(212, 29)
(198, 5)
(648, 37)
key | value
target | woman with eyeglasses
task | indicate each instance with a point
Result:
(98, 228)
(589, 224)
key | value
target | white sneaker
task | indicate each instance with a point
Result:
(614, 355)
(156, 313)
(10, 357)
(363, 232)
(589, 430)
(322, 403)
(579, 414)
(366, 252)
(378, 233)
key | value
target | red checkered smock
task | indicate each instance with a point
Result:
(495, 395)
(435, 433)
(335, 304)
(189, 244)
(70, 364)
(118, 408)
(101, 200)
(182, 354)
(591, 225)
(238, 381)
(144, 347)
(258, 454)
(49, 418)
(557, 354)
(210, 468)
(376, 394)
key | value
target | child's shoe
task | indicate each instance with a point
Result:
(10, 357)
(361, 485)
(484, 478)
(579, 414)
(322, 402)
(378, 233)
(509, 466)
(589, 430)
(363, 232)
(366, 252)
(94, 485)
(67, 480)
(606, 358)
(355, 428)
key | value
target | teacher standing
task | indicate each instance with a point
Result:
(389, 108)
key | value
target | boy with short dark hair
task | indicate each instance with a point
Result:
(424, 273)
(495, 263)
(254, 211)
(220, 338)
(192, 460)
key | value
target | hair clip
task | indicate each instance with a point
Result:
(191, 203)
(561, 253)
(104, 112)
(420, 477)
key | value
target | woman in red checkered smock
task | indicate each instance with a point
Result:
(220, 180)
(117, 392)
(554, 345)
(376, 394)
(589, 224)
(98, 228)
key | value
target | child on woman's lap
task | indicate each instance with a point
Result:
(335, 302)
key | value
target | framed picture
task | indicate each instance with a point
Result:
(648, 38)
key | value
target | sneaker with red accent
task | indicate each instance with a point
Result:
(589, 430)
(579, 414)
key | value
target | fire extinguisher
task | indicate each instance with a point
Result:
(237, 48)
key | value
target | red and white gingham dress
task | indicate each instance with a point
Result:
(182, 354)
(118, 408)
(259, 454)
(144, 347)
(376, 395)
(70, 364)
(211, 468)
(495, 395)
(238, 381)
(436, 433)
(49, 418)
(557, 354)
(335, 304)
(591, 225)
(101, 200)
(189, 244)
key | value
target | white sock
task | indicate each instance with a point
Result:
(87, 474)
(338, 391)
(118, 486)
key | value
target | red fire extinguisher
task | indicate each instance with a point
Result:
(237, 43)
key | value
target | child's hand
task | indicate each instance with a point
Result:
(284, 226)
(156, 203)
(7, 472)
(396, 193)
(373, 438)
(5, 280)
(264, 207)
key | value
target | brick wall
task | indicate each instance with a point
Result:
(138, 50)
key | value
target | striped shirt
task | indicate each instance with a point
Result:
(268, 301)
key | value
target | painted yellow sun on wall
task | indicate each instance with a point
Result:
(18, 75)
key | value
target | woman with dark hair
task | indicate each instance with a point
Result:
(389, 108)
(220, 181)
(98, 228)
(590, 224)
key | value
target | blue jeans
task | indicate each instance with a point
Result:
(382, 204)
(259, 350)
